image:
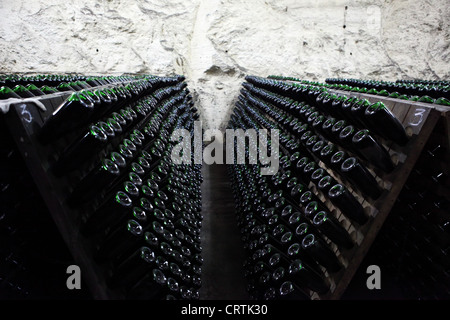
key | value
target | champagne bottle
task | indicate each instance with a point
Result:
(77, 153)
(361, 177)
(320, 251)
(337, 159)
(358, 112)
(6, 93)
(347, 203)
(133, 269)
(102, 177)
(22, 91)
(34, 90)
(372, 151)
(71, 114)
(384, 122)
(325, 184)
(114, 207)
(120, 242)
(304, 276)
(332, 229)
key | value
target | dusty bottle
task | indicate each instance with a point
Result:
(303, 275)
(346, 202)
(385, 123)
(71, 114)
(332, 229)
(320, 251)
(372, 151)
(361, 177)
(77, 153)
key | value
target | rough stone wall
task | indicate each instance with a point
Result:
(215, 43)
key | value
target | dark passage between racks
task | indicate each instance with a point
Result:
(223, 254)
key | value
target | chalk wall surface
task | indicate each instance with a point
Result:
(215, 43)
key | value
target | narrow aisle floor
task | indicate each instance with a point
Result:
(223, 252)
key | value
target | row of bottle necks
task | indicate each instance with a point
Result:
(161, 234)
(360, 145)
(296, 172)
(26, 87)
(254, 119)
(375, 82)
(286, 251)
(93, 120)
(174, 232)
(141, 212)
(281, 213)
(312, 146)
(55, 79)
(432, 92)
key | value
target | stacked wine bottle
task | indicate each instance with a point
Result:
(433, 92)
(296, 222)
(21, 86)
(108, 147)
(437, 92)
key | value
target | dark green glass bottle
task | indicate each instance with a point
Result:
(442, 101)
(120, 242)
(64, 87)
(358, 108)
(383, 92)
(361, 178)
(112, 209)
(327, 224)
(71, 114)
(394, 94)
(22, 91)
(76, 154)
(319, 250)
(34, 90)
(6, 93)
(101, 177)
(48, 90)
(426, 99)
(304, 275)
(347, 203)
(383, 122)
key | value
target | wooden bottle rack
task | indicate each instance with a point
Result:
(419, 120)
(24, 119)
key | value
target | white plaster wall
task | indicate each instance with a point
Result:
(215, 43)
